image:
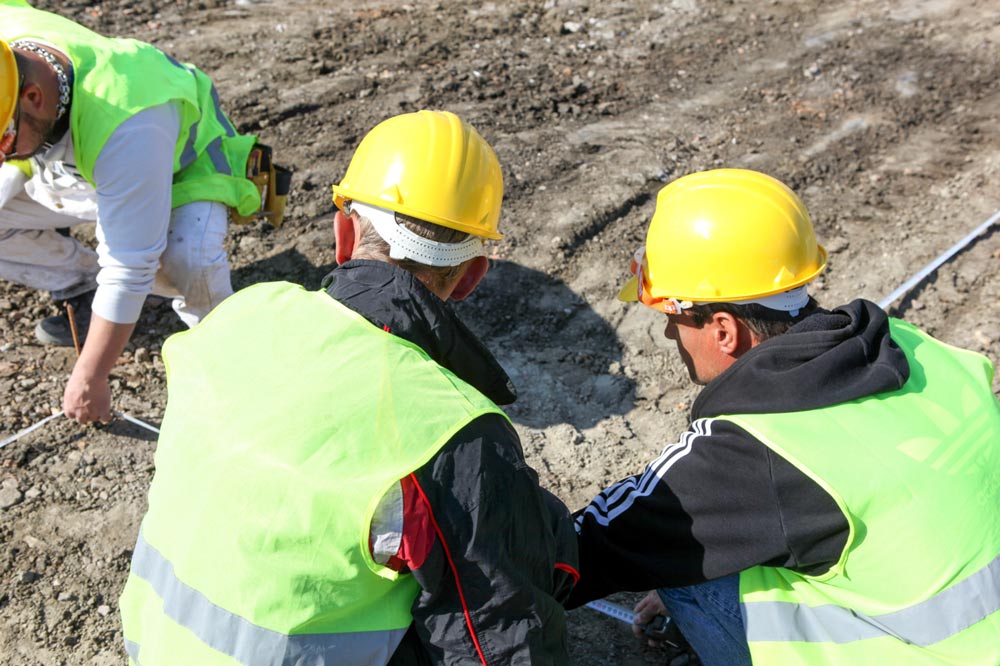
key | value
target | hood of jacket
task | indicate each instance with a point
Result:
(396, 301)
(826, 359)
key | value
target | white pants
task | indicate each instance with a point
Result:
(194, 269)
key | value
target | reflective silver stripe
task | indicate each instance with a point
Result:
(945, 614)
(215, 148)
(218, 158)
(133, 651)
(246, 642)
(174, 62)
(188, 155)
(220, 116)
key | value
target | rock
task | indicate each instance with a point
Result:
(9, 496)
(34, 542)
(29, 577)
(249, 243)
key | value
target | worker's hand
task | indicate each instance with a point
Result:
(87, 397)
(648, 607)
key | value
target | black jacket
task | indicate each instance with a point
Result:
(505, 559)
(719, 501)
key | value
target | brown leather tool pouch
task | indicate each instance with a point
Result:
(273, 182)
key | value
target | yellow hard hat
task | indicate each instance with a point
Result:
(429, 165)
(8, 85)
(725, 235)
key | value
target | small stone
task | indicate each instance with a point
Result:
(9, 496)
(64, 596)
(249, 243)
(103, 610)
(34, 542)
(29, 577)
(984, 340)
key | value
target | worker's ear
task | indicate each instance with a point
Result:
(346, 235)
(732, 337)
(32, 98)
(474, 272)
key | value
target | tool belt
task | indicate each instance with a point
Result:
(272, 181)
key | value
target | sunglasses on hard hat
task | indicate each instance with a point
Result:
(9, 138)
(644, 294)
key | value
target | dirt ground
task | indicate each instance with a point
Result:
(882, 114)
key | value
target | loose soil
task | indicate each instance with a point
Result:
(881, 114)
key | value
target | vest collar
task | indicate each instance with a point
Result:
(394, 300)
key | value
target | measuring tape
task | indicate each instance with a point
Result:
(612, 610)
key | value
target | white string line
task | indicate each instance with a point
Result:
(30, 428)
(36, 426)
(941, 258)
(132, 419)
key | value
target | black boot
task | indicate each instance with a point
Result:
(55, 330)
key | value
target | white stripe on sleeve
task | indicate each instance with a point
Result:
(617, 499)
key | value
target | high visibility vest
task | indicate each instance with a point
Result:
(289, 416)
(916, 472)
(113, 79)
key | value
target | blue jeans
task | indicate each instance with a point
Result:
(709, 617)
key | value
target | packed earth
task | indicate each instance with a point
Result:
(881, 114)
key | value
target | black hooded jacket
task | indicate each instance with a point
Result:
(719, 501)
(505, 554)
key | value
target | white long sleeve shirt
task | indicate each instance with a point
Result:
(132, 204)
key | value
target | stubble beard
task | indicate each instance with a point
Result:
(40, 128)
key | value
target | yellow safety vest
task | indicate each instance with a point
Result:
(916, 473)
(288, 417)
(113, 79)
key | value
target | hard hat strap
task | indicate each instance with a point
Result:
(404, 244)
